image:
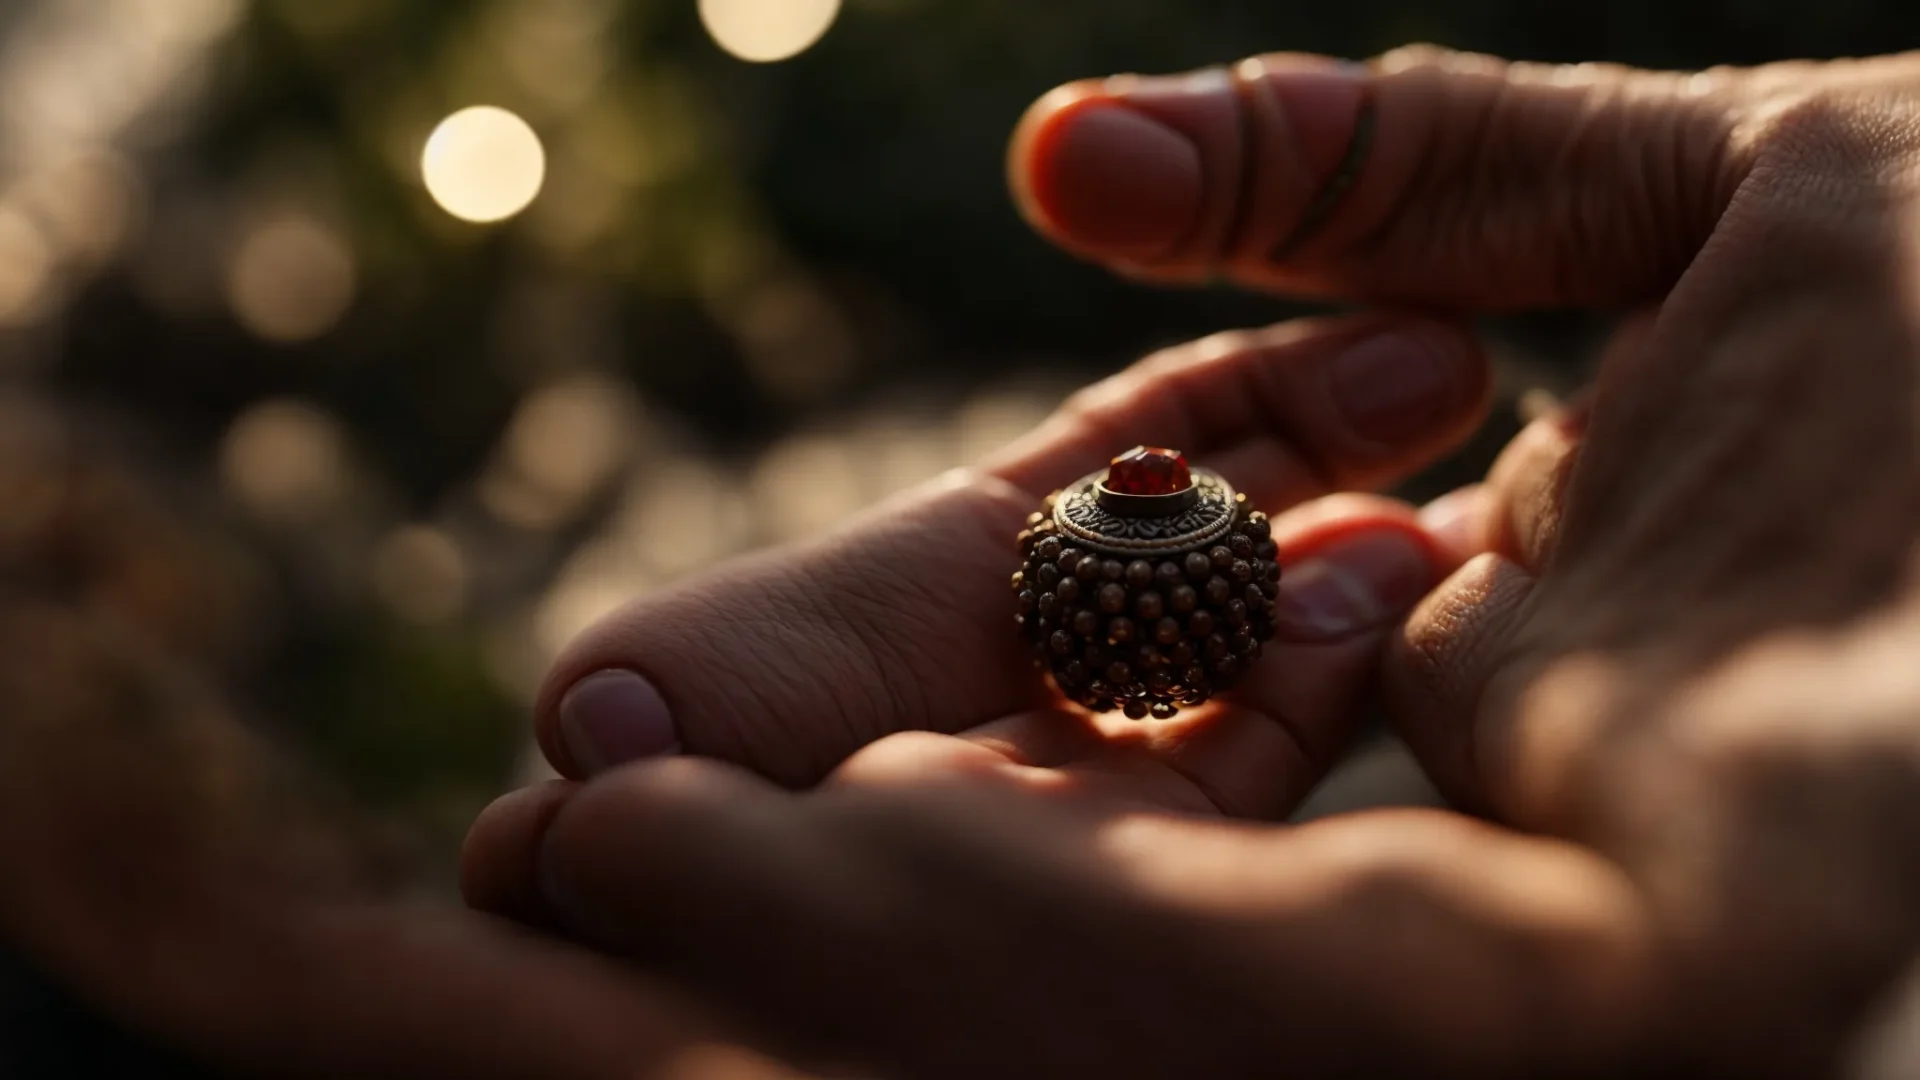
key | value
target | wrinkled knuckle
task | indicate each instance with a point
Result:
(1827, 176)
(1825, 133)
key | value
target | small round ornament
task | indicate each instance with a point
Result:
(1146, 587)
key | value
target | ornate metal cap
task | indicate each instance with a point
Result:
(1092, 513)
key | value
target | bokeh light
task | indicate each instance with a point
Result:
(565, 443)
(285, 460)
(808, 483)
(483, 164)
(26, 265)
(290, 280)
(766, 30)
(557, 50)
(796, 343)
(85, 204)
(419, 572)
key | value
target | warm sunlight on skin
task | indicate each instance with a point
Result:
(762, 31)
(483, 164)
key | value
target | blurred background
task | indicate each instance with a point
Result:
(375, 347)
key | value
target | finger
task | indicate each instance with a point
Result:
(158, 864)
(500, 846)
(1359, 564)
(1461, 522)
(1303, 407)
(1527, 486)
(1356, 566)
(385, 991)
(1374, 945)
(1436, 674)
(1436, 671)
(1426, 176)
(790, 662)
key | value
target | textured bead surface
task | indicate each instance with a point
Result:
(1148, 636)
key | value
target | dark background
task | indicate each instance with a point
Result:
(750, 298)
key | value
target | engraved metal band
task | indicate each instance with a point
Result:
(1083, 521)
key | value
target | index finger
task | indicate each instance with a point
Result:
(1426, 176)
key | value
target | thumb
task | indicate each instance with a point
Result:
(1423, 177)
(1436, 675)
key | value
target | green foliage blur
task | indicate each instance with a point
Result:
(749, 297)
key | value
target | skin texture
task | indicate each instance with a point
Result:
(1676, 691)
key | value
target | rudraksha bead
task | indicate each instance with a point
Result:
(1147, 587)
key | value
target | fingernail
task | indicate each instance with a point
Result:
(1359, 583)
(1457, 521)
(613, 717)
(1108, 178)
(1398, 386)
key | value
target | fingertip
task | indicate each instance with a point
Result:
(1528, 479)
(498, 857)
(1354, 565)
(1167, 178)
(1358, 575)
(1435, 669)
(1312, 527)
(1040, 116)
(1413, 386)
(1102, 178)
(596, 861)
(1461, 522)
(614, 716)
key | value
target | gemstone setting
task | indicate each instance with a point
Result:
(1149, 470)
(1147, 613)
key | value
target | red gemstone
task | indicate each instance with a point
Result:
(1149, 470)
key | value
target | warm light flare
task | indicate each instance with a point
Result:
(483, 164)
(762, 31)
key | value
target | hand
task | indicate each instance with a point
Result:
(900, 623)
(153, 867)
(789, 662)
(1690, 648)
(877, 639)
(1685, 673)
